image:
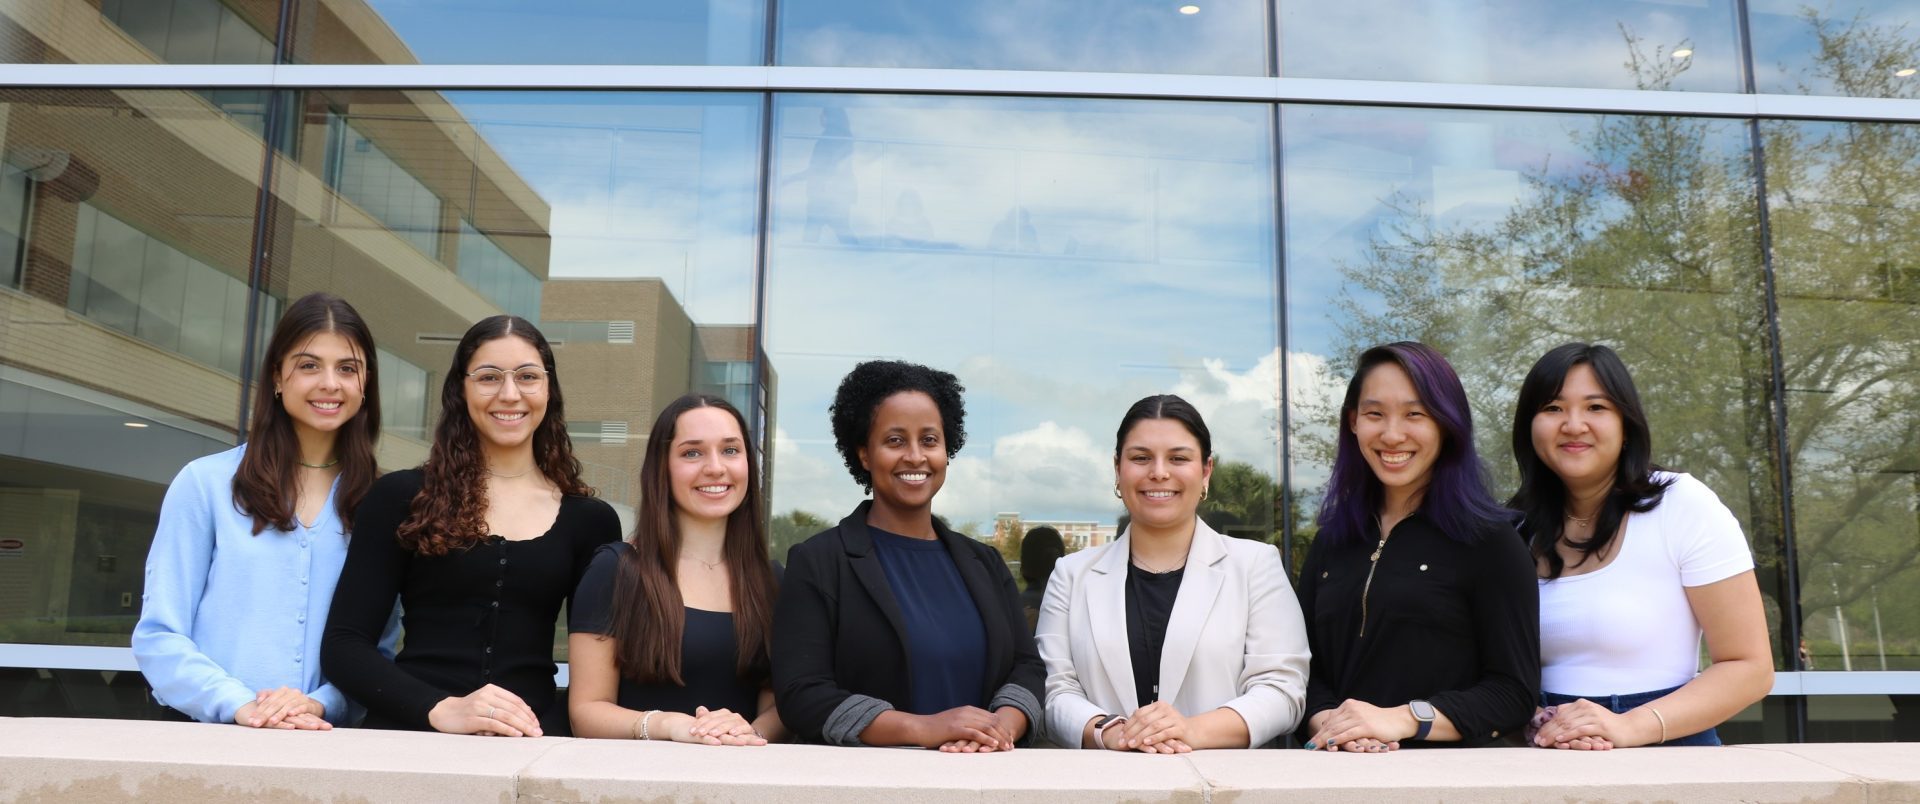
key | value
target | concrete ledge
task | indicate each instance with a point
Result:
(52, 759)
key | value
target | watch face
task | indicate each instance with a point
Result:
(1421, 710)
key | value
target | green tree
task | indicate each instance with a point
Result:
(791, 528)
(1647, 238)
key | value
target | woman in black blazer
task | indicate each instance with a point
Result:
(891, 629)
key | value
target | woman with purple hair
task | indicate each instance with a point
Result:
(1419, 597)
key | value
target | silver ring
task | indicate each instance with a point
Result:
(491, 710)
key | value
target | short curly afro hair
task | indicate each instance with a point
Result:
(869, 384)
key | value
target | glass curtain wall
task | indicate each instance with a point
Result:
(1064, 256)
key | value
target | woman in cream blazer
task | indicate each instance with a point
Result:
(1173, 637)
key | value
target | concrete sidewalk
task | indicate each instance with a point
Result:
(73, 760)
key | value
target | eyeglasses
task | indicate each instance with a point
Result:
(488, 381)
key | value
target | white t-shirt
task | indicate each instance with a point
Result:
(1627, 627)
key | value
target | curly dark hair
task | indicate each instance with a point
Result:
(869, 384)
(450, 512)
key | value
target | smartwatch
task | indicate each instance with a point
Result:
(1100, 726)
(1423, 715)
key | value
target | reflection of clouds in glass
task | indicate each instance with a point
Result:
(1874, 39)
(569, 31)
(655, 185)
(1226, 38)
(1064, 258)
(1061, 465)
(1525, 42)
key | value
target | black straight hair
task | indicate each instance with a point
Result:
(1164, 406)
(1543, 496)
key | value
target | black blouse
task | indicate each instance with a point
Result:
(708, 650)
(1457, 625)
(479, 615)
(1150, 597)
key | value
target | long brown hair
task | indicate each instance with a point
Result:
(451, 509)
(263, 486)
(649, 616)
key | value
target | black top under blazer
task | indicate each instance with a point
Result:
(839, 648)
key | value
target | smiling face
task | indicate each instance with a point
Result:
(1161, 474)
(1579, 433)
(1398, 437)
(906, 451)
(707, 465)
(320, 383)
(507, 419)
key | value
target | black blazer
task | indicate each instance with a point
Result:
(839, 649)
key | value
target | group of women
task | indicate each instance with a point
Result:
(283, 571)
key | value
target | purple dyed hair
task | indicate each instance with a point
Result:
(1456, 498)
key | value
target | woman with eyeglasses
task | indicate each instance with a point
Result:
(482, 544)
(251, 540)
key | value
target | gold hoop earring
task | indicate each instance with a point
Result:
(1203, 493)
(1116, 491)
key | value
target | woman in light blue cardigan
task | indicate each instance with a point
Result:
(251, 540)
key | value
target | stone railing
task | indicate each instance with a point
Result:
(60, 760)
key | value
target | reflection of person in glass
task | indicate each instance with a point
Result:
(1635, 562)
(831, 187)
(891, 628)
(251, 540)
(670, 629)
(482, 544)
(1173, 637)
(1040, 549)
(1419, 597)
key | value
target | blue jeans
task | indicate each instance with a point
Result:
(1619, 704)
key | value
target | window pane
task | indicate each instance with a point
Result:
(1862, 48)
(1064, 258)
(1844, 200)
(1632, 44)
(1223, 37)
(138, 31)
(521, 32)
(141, 208)
(558, 207)
(1496, 236)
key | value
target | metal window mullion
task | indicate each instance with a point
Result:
(888, 80)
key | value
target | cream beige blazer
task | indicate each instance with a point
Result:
(1235, 638)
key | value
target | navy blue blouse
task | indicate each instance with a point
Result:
(946, 640)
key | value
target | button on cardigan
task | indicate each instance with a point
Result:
(227, 613)
(478, 615)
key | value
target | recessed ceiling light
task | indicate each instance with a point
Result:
(137, 425)
(1683, 53)
(1906, 72)
(1189, 10)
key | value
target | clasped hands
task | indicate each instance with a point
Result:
(972, 730)
(1582, 726)
(284, 708)
(1361, 727)
(1156, 728)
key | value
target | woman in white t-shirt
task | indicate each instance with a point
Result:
(1635, 565)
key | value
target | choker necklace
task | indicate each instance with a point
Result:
(523, 473)
(327, 465)
(1585, 523)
